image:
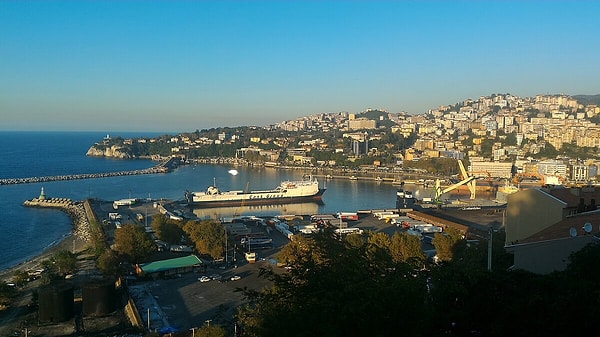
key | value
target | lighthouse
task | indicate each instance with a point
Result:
(42, 195)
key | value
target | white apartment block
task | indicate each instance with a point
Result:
(493, 169)
(552, 168)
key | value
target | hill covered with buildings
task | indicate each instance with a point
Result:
(500, 135)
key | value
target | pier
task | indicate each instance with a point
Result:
(163, 167)
(76, 210)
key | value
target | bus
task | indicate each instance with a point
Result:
(349, 230)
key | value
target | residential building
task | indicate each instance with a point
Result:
(545, 226)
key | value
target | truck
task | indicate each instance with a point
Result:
(431, 229)
(349, 230)
(348, 216)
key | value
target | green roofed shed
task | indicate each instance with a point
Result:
(170, 266)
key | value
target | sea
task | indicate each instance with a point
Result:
(26, 232)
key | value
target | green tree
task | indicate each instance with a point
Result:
(65, 262)
(355, 240)
(133, 243)
(208, 237)
(108, 263)
(211, 330)
(167, 230)
(446, 243)
(377, 249)
(405, 248)
(334, 287)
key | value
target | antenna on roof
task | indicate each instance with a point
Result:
(573, 232)
(587, 227)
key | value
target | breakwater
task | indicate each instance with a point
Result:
(74, 209)
(163, 167)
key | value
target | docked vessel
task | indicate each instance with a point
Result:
(286, 192)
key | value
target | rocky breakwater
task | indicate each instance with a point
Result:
(75, 210)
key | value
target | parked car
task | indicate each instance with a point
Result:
(235, 277)
(215, 276)
(204, 279)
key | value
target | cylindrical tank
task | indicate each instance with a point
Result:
(56, 302)
(99, 298)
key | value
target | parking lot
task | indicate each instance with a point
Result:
(185, 302)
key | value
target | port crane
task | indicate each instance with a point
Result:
(467, 180)
(471, 184)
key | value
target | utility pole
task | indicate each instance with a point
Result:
(490, 240)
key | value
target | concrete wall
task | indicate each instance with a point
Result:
(528, 212)
(548, 256)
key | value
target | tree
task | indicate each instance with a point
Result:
(133, 243)
(167, 230)
(211, 330)
(65, 262)
(377, 249)
(445, 243)
(406, 248)
(108, 263)
(208, 237)
(333, 290)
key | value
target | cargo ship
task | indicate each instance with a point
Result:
(287, 192)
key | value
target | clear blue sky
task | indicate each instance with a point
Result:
(180, 66)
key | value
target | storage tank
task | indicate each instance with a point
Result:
(56, 302)
(99, 298)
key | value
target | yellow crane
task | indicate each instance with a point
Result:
(467, 180)
(471, 184)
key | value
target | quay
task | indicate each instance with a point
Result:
(163, 167)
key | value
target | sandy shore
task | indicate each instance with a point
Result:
(36, 262)
(77, 241)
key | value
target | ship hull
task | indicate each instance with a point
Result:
(253, 199)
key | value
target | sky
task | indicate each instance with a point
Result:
(178, 66)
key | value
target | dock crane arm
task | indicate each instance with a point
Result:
(439, 191)
(470, 184)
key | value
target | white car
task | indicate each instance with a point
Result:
(204, 279)
(235, 277)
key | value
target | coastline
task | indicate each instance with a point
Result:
(67, 243)
(76, 241)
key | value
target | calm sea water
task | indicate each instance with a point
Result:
(25, 232)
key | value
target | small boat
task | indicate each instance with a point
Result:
(353, 178)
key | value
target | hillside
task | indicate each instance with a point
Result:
(588, 99)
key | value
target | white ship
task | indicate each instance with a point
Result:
(286, 192)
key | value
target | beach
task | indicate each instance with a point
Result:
(77, 241)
